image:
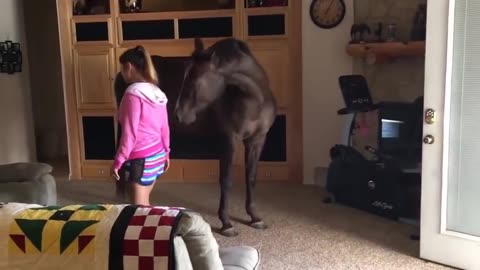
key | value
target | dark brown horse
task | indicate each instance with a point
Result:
(228, 78)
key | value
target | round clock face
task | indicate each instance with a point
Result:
(327, 13)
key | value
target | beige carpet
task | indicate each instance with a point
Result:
(304, 233)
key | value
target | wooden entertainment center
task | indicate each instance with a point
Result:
(91, 45)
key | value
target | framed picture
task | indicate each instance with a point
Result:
(10, 57)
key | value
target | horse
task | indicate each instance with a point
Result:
(228, 78)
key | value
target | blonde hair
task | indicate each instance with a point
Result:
(149, 71)
(141, 60)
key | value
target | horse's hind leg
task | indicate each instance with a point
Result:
(226, 162)
(253, 149)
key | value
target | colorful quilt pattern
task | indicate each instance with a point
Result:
(110, 237)
(55, 230)
(142, 237)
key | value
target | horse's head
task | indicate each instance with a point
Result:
(203, 83)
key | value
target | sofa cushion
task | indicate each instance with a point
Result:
(240, 258)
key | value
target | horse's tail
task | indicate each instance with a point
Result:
(121, 188)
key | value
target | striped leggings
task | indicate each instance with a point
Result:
(145, 171)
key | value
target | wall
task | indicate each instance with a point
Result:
(16, 137)
(324, 60)
(46, 78)
(401, 80)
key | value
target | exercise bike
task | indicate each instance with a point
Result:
(386, 184)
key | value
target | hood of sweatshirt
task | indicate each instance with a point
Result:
(148, 92)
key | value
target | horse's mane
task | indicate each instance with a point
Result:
(226, 51)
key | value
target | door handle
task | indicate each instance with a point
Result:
(429, 139)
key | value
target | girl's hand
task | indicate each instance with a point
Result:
(115, 174)
(167, 164)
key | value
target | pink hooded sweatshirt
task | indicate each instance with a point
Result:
(144, 122)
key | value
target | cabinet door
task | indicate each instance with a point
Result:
(98, 137)
(274, 59)
(94, 73)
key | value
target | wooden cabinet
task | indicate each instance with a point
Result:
(91, 45)
(94, 69)
(273, 56)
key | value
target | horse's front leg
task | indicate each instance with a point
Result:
(226, 163)
(253, 149)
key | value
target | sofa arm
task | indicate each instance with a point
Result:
(202, 246)
(48, 187)
(26, 171)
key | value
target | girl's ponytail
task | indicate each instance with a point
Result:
(149, 71)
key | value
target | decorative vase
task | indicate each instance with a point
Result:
(133, 5)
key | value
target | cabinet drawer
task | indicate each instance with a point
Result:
(97, 171)
(272, 173)
(174, 173)
(201, 171)
(238, 174)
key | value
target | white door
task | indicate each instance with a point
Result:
(450, 220)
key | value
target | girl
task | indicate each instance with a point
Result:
(144, 146)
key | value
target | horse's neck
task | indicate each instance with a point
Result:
(247, 85)
(249, 78)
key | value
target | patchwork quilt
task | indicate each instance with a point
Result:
(113, 237)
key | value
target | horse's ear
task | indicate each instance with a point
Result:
(199, 44)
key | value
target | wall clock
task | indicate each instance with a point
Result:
(327, 13)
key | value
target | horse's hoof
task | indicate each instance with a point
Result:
(259, 225)
(230, 232)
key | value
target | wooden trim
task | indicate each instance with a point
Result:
(64, 11)
(116, 27)
(176, 29)
(387, 50)
(296, 96)
(266, 10)
(87, 163)
(119, 32)
(163, 42)
(240, 13)
(91, 18)
(177, 15)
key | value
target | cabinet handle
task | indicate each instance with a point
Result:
(101, 171)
